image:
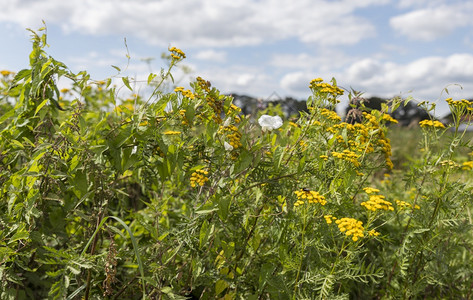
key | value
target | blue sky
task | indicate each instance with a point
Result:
(257, 47)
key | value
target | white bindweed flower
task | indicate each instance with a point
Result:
(269, 123)
(227, 146)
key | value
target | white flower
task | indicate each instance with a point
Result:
(269, 123)
(227, 146)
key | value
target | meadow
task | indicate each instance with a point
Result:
(177, 195)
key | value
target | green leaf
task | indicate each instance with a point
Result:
(116, 68)
(38, 108)
(220, 286)
(126, 81)
(204, 234)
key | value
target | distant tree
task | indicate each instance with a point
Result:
(405, 114)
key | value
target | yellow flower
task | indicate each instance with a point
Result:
(388, 118)
(430, 123)
(177, 53)
(370, 190)
(312, 197)
(468, 165)
(6, 72)
(373, 232)
(199, 177)
(352, 227)
(377, 202)
(403, 205)
(329, 219)
(171, 132)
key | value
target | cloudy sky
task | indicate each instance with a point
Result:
(257, 47)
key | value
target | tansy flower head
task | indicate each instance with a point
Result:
(199, 177)
(329, 219)
(430, 123)
(352, 227)
(309, 196)
(377, 202)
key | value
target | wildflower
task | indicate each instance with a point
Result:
(329, 219)
(177, 53)
(268, 123)
(351, 227)
(232, 134)
(171, 132)
(468, 165)
(403, 205)
(348, 155)
(6, 72)
(185, 93)
(388, 118)
(324, 157)
(377, 202)
(199, 177)
(370, 190)
(331, 115)
(125, 107)
(312, 197)
(373, 232)
(430, 123)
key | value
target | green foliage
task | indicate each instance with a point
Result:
(178, 195)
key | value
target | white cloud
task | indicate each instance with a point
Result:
(430, 23)
(297, 82)
(211, 23)
(424, 78)
(211, 55)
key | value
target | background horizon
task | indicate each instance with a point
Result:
(260, 47)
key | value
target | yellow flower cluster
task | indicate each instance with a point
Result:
(205, 85)
(318, 85)
(329, 219)
(6, 73)
(348, 155)
(373, 232)
(172, 132)
(351, 227)
(388, 118)
(377, 202)
(330, 114)
(233, 135)
(370, 190)
(372, 125)
(403, 205)
(177, 53)
(468, 165)
(128, 107)
(184, 121)
(312, 197)
(430, 123)
(463, 103)
(324, 157)
(234, 110)
(366, 137)
(185, 93)
(199, 177)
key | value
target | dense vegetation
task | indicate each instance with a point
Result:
(178, 195)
